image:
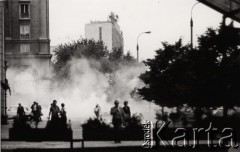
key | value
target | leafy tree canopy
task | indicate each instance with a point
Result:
(91, 50)
(206, 76)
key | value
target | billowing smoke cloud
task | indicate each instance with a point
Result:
(86, 88)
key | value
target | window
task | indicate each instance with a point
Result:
(25, 31)
(25, 48)
(24, 11)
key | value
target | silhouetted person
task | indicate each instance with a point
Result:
(63, 115)
(39, 111)
(127, 113)
(34, 111)
(69, 124)
(97, 111)
(20, 113)
(5, 85)
(117, 120)
(37, 115)
(53, 113)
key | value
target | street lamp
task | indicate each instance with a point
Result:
(148, 32)
(191, 25)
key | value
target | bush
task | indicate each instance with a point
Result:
(135, 121)
(94, 129)
(160, 116)
(174, 117)
(20, 124)
(231, 121)
(94, 123)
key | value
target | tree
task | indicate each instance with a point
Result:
(118, 58)
(91, 50)
(128, 58)
(165, 79)
(216, 66)
(82, 48)
(206, 76)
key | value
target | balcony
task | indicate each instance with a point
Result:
(24, 16)
(24, 36)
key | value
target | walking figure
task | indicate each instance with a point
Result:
(39, 111)
(97, 111)
(34, 110)
(54, 113)
(127, 113)
(37, 117)
(20, 113)
(35, 113)
(63, 115)
(117, 120)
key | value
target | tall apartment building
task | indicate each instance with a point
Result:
(27, 41)
(2, 71)
(107, 31)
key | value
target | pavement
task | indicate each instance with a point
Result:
(112, 149)
(105, 146)
(77, 134)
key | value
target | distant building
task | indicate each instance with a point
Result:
(27, 41)
(106, 31)
(2, 71)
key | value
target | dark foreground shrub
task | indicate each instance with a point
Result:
(94, 123)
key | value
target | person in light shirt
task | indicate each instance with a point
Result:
(97, 112)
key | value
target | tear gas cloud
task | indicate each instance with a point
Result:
(86, 88)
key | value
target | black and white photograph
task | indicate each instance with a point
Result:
(120, 75)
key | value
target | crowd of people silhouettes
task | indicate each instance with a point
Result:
(57, 117)
(120, 117)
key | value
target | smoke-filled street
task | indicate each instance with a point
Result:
(119, 75)
(86, 87)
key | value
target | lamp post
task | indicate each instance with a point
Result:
(191, 25)
(148, 32)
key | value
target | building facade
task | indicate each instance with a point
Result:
(2, 71)
(106, 31)
(27, 41)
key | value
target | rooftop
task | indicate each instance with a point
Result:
(229, 8)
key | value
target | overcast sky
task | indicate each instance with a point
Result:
(168, 20)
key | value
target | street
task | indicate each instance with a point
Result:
(77, 134)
